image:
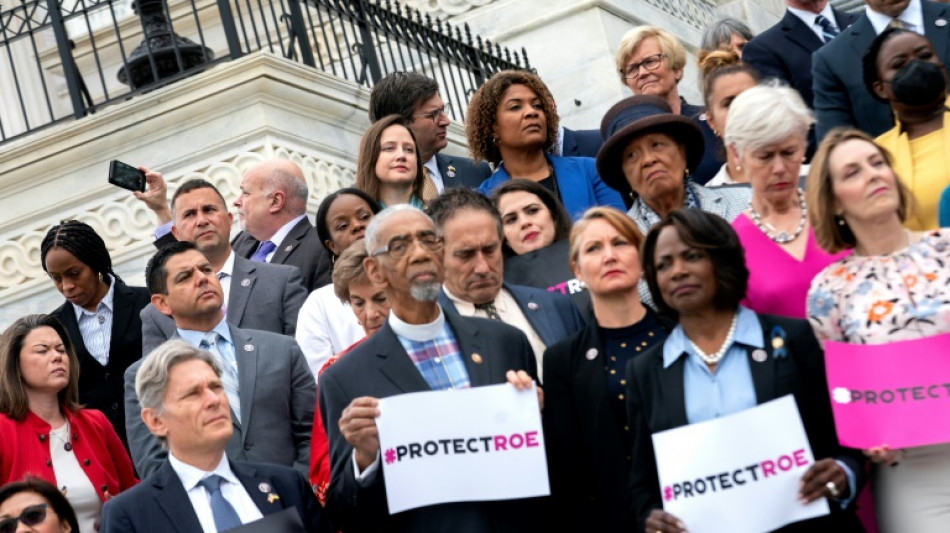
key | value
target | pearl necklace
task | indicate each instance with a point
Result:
(782, 237)
(712, 359)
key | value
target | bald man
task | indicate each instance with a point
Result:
(272, 207)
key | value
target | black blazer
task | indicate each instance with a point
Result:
(160, 503)
(656, 402)
(461, 171)
(101, 387)
(588, 456)
(300, 248)
(581, 143)
(380, 367)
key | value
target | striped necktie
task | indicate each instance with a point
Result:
(828, 30)
(489, 309)
(224, 354)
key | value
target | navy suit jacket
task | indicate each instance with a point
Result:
(784, 51)
(841, 98)
(380, 367)
(581, 143)
(656, 402)
(552, 315)
(101, 387)
(300, 248)
(461, 171)
(160, 503)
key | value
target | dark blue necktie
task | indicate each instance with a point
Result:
(828, 31)
(225, 517)
(261, 254)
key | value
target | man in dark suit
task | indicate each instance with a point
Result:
(273, 211)
(474, 274)
(416, 98)
(579, 143)
(841, 97)
(199, 487)
(406, 261)
(272, 390)
(256, 295)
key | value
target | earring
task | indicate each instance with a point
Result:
(688, 173)
(738, 168)
(840, 220)
(101, 280)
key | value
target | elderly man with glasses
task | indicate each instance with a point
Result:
(419, 348)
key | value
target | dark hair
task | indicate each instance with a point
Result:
(156, 275)
(193, 185)
(483, 112)
(715, 237)
(869, 59)
(562, 221)
(80, 240)
(718, 63)
(13, 400)
(57, 500)
(451, 201)
(323, 229)
(399, 93)
(366, 179)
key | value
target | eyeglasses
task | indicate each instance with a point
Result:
(432, 115)
(632, 71)
(31, 516)
(398, 247)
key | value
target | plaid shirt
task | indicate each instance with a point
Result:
(438, 360)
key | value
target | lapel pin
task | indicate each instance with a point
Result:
(271, 498)
(940, 23)
(288, 248)
(450, 172)
(591, 354)
(248, 347)
(533, 306)
(245, 282)
(477, 359)
(759, 356)
(264, 487)
(778, 342)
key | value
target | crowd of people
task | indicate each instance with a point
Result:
(678, 265)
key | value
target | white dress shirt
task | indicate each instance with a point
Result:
(231, 488)
(808, 17)
(226, 275)
(325, 326)
(912, 17)
(96, 327)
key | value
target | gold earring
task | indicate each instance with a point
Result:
(738, 168)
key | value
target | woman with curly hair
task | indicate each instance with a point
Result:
(511, 123)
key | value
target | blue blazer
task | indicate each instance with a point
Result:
(552, 315)
(581, 188)
(841, 98)
(160, 503)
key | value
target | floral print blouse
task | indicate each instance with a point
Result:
(879, 299)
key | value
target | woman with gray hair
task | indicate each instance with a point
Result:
(726, 33)
(767, 132)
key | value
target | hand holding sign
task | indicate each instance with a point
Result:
(814, 483)
(664, 522)
(358, 427)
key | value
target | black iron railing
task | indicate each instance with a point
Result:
(64, 59)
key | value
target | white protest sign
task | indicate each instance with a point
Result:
(478, 444)
(738, 473)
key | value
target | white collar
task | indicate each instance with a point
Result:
(912, 14)
(417, 332)
(228, 267)
(808, 17)
(190, 475)
(469, 307)
(106, 300)
(278, 237)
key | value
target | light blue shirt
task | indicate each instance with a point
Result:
(194, 337)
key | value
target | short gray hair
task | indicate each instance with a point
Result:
(292, 185)
(371, 237)
(151, 380)
(766, 114)
(719, 33)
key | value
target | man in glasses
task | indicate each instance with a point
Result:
(419, 348)
(416, 98)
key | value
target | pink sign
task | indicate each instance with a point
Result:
(896, 394)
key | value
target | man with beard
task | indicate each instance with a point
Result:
(420, 348)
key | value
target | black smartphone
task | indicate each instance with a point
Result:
(126, 176)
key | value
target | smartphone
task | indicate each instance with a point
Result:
(126, 176)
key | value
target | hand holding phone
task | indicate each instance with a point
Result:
(126, 176)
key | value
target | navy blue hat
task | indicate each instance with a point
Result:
(635, 116)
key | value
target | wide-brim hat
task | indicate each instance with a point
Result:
(638, 115)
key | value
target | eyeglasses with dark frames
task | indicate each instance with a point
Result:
(632, 71)
(398, 247)
(432, 115)
(31, 516)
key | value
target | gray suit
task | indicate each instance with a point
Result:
(262, 296)
(300, 248)
(278, 395)
(380, 367)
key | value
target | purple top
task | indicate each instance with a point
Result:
(778, 283)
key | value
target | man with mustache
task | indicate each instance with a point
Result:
(269, 385)
(474, 284)
(419, 348)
